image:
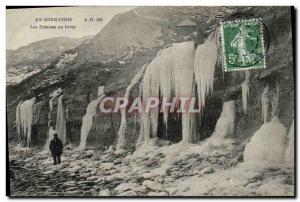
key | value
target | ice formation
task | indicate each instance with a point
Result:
(18, 120)
(275, 102)
(24, 119)
(265, 104)
(122, 129)
(61, 121)
(224, 128)
(267, 146)
(51, 131)
(87, 119)
(245, 90)
(172, 73)
(289, 153)
(204, 68)
(53, 95)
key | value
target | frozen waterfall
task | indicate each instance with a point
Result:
(61, 121)
(87, 119)
(122, 129)
(24, 120)
(51, 130)
(204, 68)
(170, 73)
(225, 127)
(176, 71)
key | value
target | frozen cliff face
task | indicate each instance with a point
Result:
(267, 145)
(289, 153)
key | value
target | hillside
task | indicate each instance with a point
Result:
(30, 59)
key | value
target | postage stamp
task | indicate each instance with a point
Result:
(243, 45)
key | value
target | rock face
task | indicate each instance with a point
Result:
(102, 61)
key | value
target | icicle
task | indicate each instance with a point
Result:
(171, 72)
(61, 121)
(87, 119)
(204, 68)
(275, 102)
(183, 77)
(265, 104)
(24, 121)
(18, 121)
(245, 90)
(122, 129)
(289, 153)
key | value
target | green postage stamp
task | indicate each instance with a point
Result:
(243, 45)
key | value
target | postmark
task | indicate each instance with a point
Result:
(243, 45)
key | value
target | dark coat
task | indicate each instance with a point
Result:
(56, 146)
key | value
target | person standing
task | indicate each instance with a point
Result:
(56, 147)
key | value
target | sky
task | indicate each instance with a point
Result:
(20, 23)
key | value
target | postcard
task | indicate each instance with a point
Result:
(185, 101)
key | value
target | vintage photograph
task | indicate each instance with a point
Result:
(154, 101)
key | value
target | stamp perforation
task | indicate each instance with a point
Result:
(251, 20)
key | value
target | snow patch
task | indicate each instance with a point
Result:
(66, 59)
(267, 145)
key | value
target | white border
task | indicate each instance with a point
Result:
(3, 3)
